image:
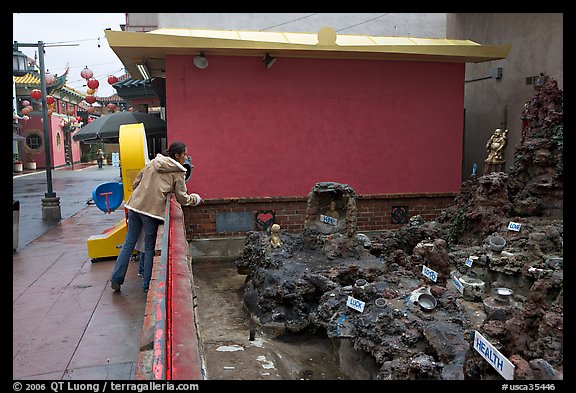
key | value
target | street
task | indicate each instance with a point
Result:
(73, 187)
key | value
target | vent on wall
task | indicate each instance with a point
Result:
(537, 81)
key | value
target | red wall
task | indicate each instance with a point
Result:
(57, 153)
(380, 126)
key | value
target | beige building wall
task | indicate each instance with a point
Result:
(537, 47)
(430, 25)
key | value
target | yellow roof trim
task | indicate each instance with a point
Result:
(27, 79)
(131, 47)
(306, 38)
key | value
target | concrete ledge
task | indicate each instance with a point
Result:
(216, 249)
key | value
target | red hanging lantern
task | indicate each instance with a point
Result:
(93, 84)
(90, 99)
(111, 106)
(36, 94)
(112, 79)
(49, 100)
(25, 103)
(27, 109)
(86, 73)
(90, 109)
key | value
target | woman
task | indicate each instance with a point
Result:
(146, 207)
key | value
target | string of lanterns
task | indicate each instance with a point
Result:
(93, 84)
(90, 97)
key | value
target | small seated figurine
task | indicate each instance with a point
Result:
(331, 211)
(275, 241)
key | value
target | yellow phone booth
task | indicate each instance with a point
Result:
(108, 196)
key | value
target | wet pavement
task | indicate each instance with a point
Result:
(67, 322)
(69, 325)
(73, 187)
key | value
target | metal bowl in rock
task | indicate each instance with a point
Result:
(380, 302)
(497, 243)
(426, 302)
(503, 295)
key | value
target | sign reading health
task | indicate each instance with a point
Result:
(493, 356)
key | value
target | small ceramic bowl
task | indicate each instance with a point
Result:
(502, 295)
(427, 302)
(497, 243)
(380, 302)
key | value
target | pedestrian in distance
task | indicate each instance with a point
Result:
(146, 207)
(100, 158)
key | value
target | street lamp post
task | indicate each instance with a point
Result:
(50, 202)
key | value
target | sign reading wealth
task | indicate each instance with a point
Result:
(493, 356)
(458, 284)
(328, 220)
(431, 274)
(356, 304)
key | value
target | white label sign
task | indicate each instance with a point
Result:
(328, 220)
(470, 260)
(493, 356)
(458, 284)
(431, 274)
(356, 304)
(116, 159)
(514, 226)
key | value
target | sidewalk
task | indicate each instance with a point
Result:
(67, 322)
(78, 166)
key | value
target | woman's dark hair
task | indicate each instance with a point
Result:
(174, 148)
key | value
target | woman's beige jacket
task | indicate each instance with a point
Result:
(153, 185)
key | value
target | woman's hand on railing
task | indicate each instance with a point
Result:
(197, 199)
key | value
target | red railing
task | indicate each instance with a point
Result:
(171, 343)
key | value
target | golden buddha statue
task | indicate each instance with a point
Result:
(495, 147)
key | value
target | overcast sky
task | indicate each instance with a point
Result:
(84, 29)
